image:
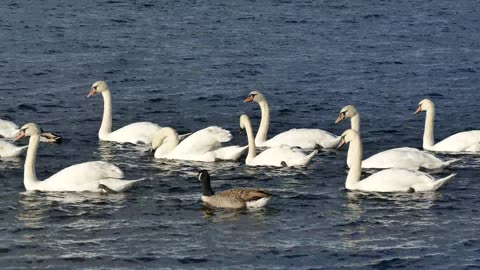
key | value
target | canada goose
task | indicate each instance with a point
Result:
(232, 198)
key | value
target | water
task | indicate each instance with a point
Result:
(189, 64)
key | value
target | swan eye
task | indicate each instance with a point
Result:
(253, 95)
(95, 87)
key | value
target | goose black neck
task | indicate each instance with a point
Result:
(206, 188)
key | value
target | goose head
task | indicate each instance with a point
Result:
(29, 129)
(424, 105)
(98, 87)
(254, 96)
(347, 136)
(204, 178)
(348, 111)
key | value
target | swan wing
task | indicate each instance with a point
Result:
(304, 138)
(135, 133)
(8, 129)
(459, 142)
(203, 141)
(82, 177)
(10, 150)
(404, 157)
(394, 180)
(230, 152)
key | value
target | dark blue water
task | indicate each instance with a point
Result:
(190, 64)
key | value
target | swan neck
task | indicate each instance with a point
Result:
(106, 126)
(251, 141)
(168, 140)
(428, 137)
(355, 123)
(264, 122)
(29, 174)
(355, 152)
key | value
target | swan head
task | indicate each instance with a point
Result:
(425, 105)
(160, 136)
(254, 96)
(347, 136)
(98, 87)
(244, 120)
(348, 111)
(29, 129)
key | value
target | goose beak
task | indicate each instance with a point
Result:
(342, 142)
(419, 109)
(92, 92)
(248, 99)
(20, 135)
(340, 117)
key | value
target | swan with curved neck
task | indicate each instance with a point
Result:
(203, 145)
(275, 156)
(136, 133)
(96, 176)
(467, 141)
(403, 157)
(389, 180)
(306, 138)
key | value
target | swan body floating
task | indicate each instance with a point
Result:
(136, 133)
(95, 176)
(9, 130)
(467, 141)
(277, 156)
(204, 145)
(304, 138)
(389, 180)
(403, 157)
(232, 198)
(10, 150)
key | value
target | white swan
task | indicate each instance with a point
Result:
(10, 150)
(306, 138)
(277, 156)
(9, 130)
(136, 133)
(203, 145)
(389, 180)
(95, 176)
(403, 157)
(467, 141)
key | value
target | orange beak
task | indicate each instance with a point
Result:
(340, 117)
(419, 109)
(20, 135)
(92, 92)
(248, 99)
(342, 142)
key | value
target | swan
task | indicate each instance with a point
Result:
(305, 138)
(94, 176)
(232, 198)
(389, 180)
(467, 141)
(403, 157)
(203, 145)
(275, 156)
(9, 130)
(136, 133)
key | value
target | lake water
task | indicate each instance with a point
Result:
(189, 65)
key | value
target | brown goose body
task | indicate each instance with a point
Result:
(232, 198)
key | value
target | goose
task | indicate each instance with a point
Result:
(135, 133)
(467, 141)
(403, 157)
(9, 130)
(204, 145)
(277, 156)
(388, 180)
(94, 176)
(232, 198)
(305, 138)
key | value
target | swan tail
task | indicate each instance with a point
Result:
(114, 185)
(183, 136)
(331, 144)
(449, 162)
(230, 152)
(437, 184)
(305, 160)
